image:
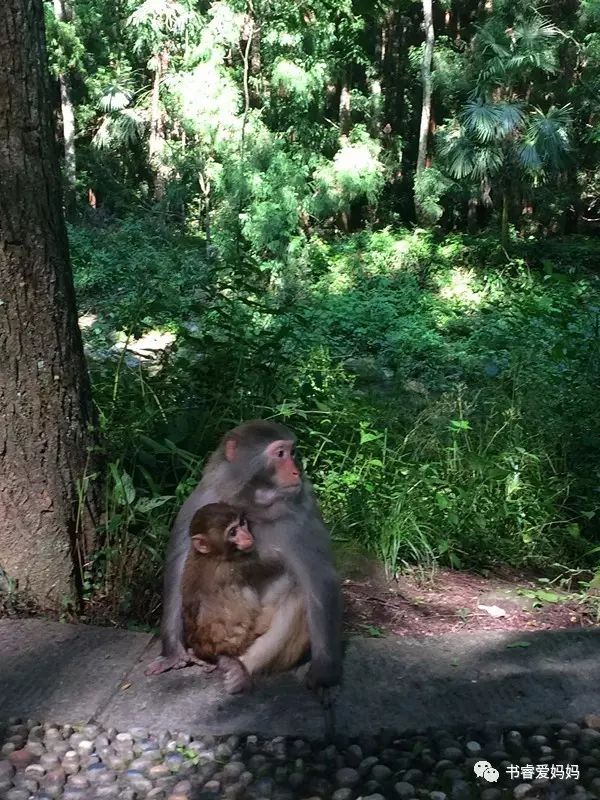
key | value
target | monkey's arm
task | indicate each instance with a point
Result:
(306, 553)
(174, 654)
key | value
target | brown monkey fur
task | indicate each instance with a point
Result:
(221, 594)
(255, 468)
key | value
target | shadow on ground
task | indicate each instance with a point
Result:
(73, 674)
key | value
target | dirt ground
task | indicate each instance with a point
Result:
(415, 603)
(445, 600)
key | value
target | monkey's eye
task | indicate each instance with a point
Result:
(280, 453)
(293, 452)
(232, 532)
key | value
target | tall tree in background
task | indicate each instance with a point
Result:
(46, 525)
(427, 82)
(64, 13)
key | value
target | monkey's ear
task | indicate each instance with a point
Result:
(230, 449)
(200, 543)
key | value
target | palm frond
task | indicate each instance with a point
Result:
(115, 98)
(487, 162)
(550, 134)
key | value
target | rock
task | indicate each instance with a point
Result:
(367, 764)
(522, 790)
(174, 761)
(342, 794)
(347, 777)
(536, 741)
(256, 761)
(592, 721)
(37, 749)
(114, 791)
(374, 797)
(381, 773)
(182, 787)
(589, 739)
(263, 787)
(460, 790)
(436, 795)
(75, 739)
(472, 749)
(6, 769)
(454, 754)
(491, 793)
(85, 747)
(17, 794)
(21, 758)
(319, 786)
(353, 755)
(296, 779)
(78, 781)
(404, 790)
(141, 764)
(233, 770)
(49, 761)
(282, 793)
(414, 776)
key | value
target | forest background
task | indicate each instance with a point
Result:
(372, 220)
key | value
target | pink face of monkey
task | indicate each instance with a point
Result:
(220, 532)
(280, 468)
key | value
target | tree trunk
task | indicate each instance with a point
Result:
(472, 215)
(344, 114)
(46, 525)
(156, 142)
(63, 13)
(427, 93)
(504, 223)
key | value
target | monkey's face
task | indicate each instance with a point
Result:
(218, 530)
(280, 461)
(238, 537)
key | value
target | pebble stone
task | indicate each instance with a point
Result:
(49, 762)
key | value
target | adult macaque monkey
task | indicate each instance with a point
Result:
(255, 469)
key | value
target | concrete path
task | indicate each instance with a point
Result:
(75, 674)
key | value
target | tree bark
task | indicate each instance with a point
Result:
(63, 13)
(504, 232)
(427, 82)
(46, 525)
(344, 114)
(156, 142)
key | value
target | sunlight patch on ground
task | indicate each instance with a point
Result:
(149, 345)
(87, 320)
(460, 288)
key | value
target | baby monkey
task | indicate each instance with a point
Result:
(222, 611)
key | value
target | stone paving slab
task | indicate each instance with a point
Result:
(189, 699)
(470, 678)
(62, 673)
(69, 674)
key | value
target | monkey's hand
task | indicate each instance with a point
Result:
(324, 673)
(180, 659)
(237, 678)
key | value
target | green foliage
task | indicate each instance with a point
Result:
(354, 173)
(444, 387)
(452, 421)
(430, 187)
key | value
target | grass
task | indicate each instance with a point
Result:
(444, 395)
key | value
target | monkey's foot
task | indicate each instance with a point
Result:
(207, 666)
(182, 658)
(323, 674)
(237, 678)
